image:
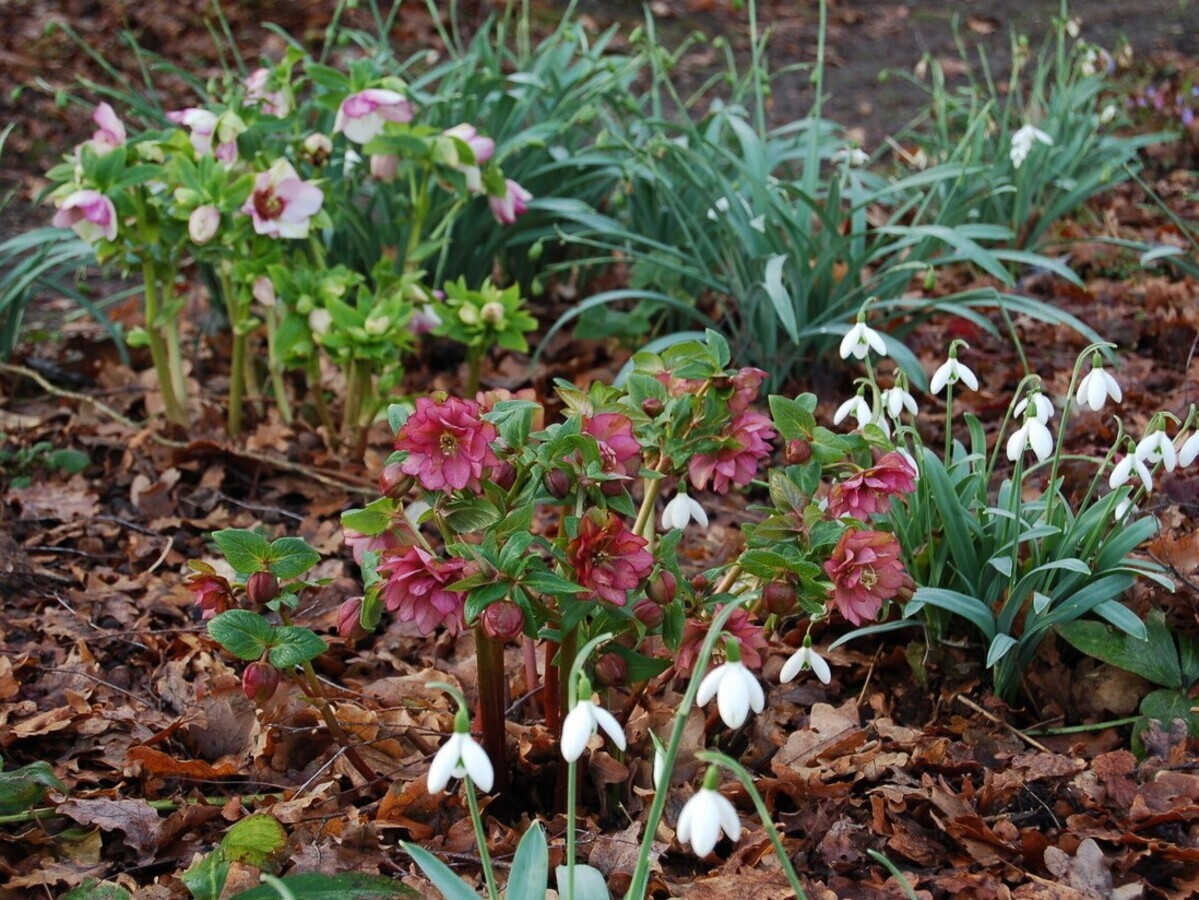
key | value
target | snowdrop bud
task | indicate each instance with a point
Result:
(1189, 450)
(680, 511)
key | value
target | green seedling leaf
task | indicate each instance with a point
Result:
(531, 866)
(291, 557)
(244, 634)
(373, 519)
(26, 787)
(451, 886)
(246, 551)
(206, 877)
(350, 886)
(255, 840)
(295, 645)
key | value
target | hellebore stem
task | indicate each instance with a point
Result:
(489, 659)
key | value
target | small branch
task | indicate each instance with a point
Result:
(1032, 742)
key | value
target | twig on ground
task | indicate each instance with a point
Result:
(1032, 742)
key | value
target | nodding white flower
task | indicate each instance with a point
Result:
(659, 766)
(860, 340)
(857, 407)
(1123, 508)
(1096, 386)
(1156, 447)
(1023, 142)
(1042, 407)
(1124, 469)
(1032, 434)
(681, 510)
(951, 372)
(704, 817)
(460, 756)
(582, 722)
(806, 658)
(896, 400)
(911, 460)
(736, 691)
(1189, 450)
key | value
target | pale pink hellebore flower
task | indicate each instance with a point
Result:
(361, 116)
(282, 205)
(110, 134)
(513, 203)
(203, 223)
(89, 214)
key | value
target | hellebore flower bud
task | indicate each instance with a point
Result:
(611, 670)
(557, 482)
(349, 620)
(798, 452)
(662, 587)
(648, 613)
(503, 621)
(262, 588)
(779, 598)
(652, 407)
(259, 681)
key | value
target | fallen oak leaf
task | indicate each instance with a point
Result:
(138, 821)
(156, 762)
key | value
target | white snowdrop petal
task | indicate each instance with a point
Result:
(848, 346)
(1015, 443)
(478, 765)
(577, 730)
(968, 377)
(1121, 472)
(940, 378)
(793, 666)
(1144, 474)
(708, 687)
(608, 722)
(1113, 386)
(1040, 439)
(1189, 450)
(696, 511)
(705, 826)
(732, 700)
(1096, 390)
(444, 762)
(686, 817)
(876, 342)
(757, 697)
(730, 822)
(820, 667)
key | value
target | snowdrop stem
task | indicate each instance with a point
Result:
(641, 873)
(476, 819)
(948, 425)
(719, 759)
(572, 800)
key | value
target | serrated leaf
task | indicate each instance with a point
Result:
(244, 634)
(474, 514)
(246, 551)
(295, 645)
(793, 421)
(373, 519)
(292, 557)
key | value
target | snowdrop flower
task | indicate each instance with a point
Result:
(681, 510)
(951, 372)
(361, 116)
(89, 214)
(1096, 386)
(583, 721)
(1032, 434)
(735, 688)
(1023, 142)
(705, 816)
(860, 340)
(1042, 407)
(1189, 450)
(1124, 469)
(857, 407)
(460, 757)
(659, 767)
(896, 400)
(1156, 447)
(1123, 508)
(806, 658)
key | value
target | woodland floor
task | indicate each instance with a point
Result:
(106, 674)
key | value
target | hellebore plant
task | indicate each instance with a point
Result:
(259, 188)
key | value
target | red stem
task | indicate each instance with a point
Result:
(489, 658)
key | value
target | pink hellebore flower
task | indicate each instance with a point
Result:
(513, 203)
(482, 147)
(746, 384)
(89, 214)
(619, 449)
(608, 558)
(273, 103)
(202, 125)
(866, 570)
(416, 588)
(448, 444)
(281, 204)
(110, 134)
(749, 637)
(384, 167)
(361, 116)
(870, 491)
(203, 223)
(746, 445)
